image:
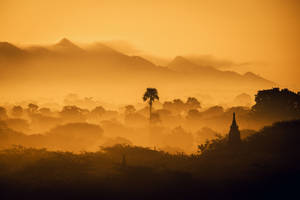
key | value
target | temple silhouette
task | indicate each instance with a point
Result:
(234, 133)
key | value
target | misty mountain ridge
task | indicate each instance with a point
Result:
(100, 65)
(8, 50)
(179, 64)
(184, 65)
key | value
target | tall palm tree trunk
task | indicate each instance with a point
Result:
(150, 111)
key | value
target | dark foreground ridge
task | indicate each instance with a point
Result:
(265, 166)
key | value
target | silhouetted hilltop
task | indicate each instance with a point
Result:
(181, 64)
(253, 77)
(66, 43)
(184, 65)
(9, 51)
(66, 46)
(179, 60)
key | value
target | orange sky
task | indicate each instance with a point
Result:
(263, 32)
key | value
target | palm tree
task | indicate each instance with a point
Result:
(151, 94)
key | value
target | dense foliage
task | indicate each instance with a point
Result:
(266, 165)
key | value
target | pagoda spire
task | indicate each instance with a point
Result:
(234, 133)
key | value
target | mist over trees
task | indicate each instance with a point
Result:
(124, 171)
(195, 108)
(179, 125)
(79, 153)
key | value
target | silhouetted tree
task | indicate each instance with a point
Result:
(32, 108)
(276, 103)
(17, 111)
(176, 106)
(129, 109)
(179, 105)
(98, 112)
(151, 95)
(192, 103)
(3, 113)
(72, 114)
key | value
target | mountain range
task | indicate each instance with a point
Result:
(98, 64)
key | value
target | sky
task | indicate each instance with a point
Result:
(264, 33)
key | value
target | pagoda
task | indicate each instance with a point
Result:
(234, 133)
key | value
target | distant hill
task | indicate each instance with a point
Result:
(108, 54)
(66, 46)
(99, 66)
(9, 51)
(183, 65)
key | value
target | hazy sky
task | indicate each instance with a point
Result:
(263, 32)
